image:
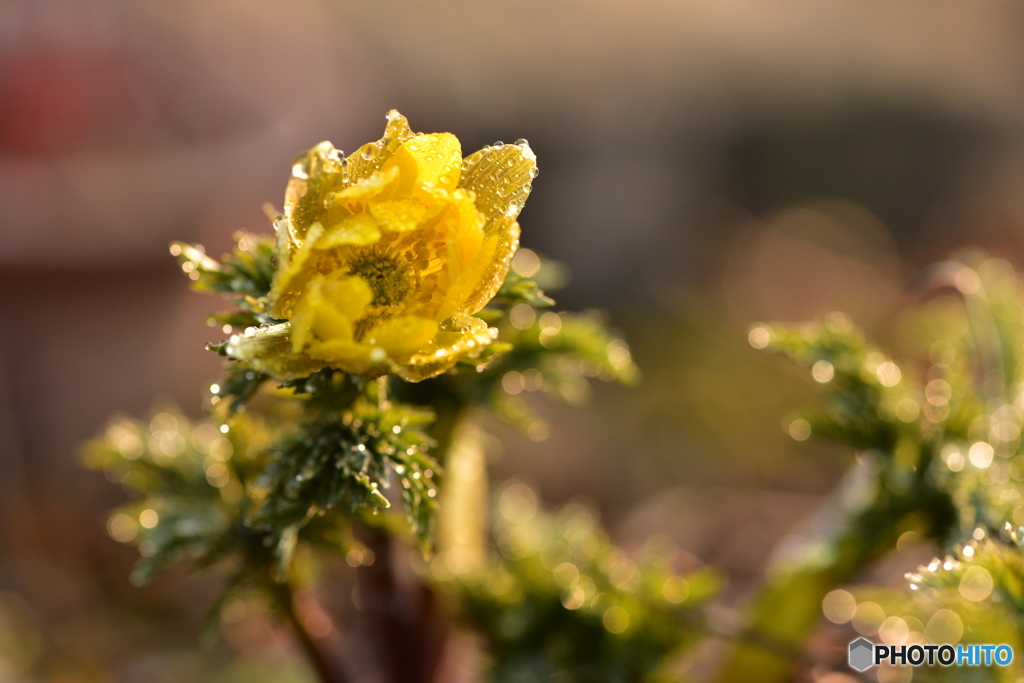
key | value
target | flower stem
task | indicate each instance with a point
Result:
(327, 671)
(788, 608)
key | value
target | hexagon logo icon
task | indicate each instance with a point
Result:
(861, 654)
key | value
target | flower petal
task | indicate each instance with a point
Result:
(399, 216)
(350, 294)
(321, 170)
(501, 177)
(315, 173)
(269, 350)
(403, 335)
(328, 310)
(469, 252)
(292, 274)
(354, 197)
(371, 157)
(433, 160)
(492, 263)
(457, 338)
(359, 229)
(351, 356)
(465, 228)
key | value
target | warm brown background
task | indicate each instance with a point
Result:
(703, 164)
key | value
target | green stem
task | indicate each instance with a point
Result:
(788, 608)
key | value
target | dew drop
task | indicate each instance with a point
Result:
(534, 172)
(521, 141)
(299, 172)
(499, 144)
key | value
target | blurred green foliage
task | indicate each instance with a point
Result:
(938, 442)
(561, 603)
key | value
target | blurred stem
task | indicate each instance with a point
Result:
(788, 608)
(462, 516)
(325, 669)
(786, 612)
(408, 625)
(404, 618)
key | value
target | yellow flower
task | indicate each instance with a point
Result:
(383, 257)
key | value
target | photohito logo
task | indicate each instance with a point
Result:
(864, 654)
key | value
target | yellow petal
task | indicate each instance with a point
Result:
(292, 274)
(433, 160)
(491, 264)
(358, 229)
(328, 309)
(321, 171)
(351, 356)
(469, 254)
(314, 320)
(315, 173)
(399, 216)
(403, 335)
(457, 338)
(465, 228)
(354, 198)
(501, 178)
(269, 350)
(350, 294)
(371, 157)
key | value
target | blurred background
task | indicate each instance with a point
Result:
(704, 165)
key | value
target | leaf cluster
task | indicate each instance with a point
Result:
(244, 276)
(192, 482)
(342, 460)
(561, 602)
(944, 451)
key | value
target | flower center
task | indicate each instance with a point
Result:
(387, 279)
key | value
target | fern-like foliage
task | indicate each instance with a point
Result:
(561, 602)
